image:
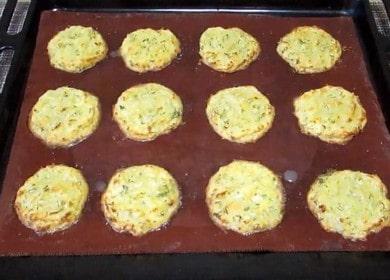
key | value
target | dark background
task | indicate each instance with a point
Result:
(201, 266)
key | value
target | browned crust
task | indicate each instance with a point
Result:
(141, 137)
(344, 137)
(373, 229)
(225, 228)
(80, 70)
(48, 230)
(128, 229)
(235, 139)
(140, 69)
(244, 65)
(75, 142)
(312, 71)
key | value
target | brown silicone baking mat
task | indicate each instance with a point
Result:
(193, 152)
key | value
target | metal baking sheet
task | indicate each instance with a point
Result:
(193, 152)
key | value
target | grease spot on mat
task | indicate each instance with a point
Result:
(114, 53)
(173, 246)
(290, 176)
(330, 245)
(100, 186)
(193, 196)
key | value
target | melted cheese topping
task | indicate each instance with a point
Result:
(309, 49)
(351, 203)
(64, 116)
(149, 50)
(140, 199)
(245, 197)
(146, 111)
(228, 50)
(331, 113)
(76, 49)
(52, 199)
(240, 114)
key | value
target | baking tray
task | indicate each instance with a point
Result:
(193, 152)
(350, 8)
